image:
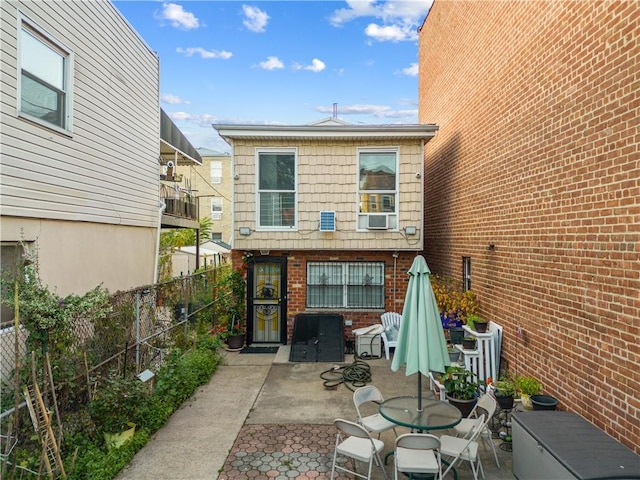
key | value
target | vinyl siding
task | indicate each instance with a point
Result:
(105, 171)
(327, 180)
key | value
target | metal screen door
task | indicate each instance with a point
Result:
(268, 288)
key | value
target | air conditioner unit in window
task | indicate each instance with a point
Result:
(378, 222)
(327, 221)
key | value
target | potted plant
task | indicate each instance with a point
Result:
(462, 388)
(453, 304)
(230, 310)
(505, 391)
(454, 353)
(477, 323)
(469, 343)
(527, 386)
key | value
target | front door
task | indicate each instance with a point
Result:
(267, 297)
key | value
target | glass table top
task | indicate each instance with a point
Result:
(435, 414)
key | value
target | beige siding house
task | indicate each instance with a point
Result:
(327, 217)
(213, 183)
(80, 124)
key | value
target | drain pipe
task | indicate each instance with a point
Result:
(161, 209)
(395, 273)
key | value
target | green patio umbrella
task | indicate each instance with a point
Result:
(421, 344)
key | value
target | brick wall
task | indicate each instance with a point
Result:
(538, 153)
(396, 280)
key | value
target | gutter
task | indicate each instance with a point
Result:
(161, 209)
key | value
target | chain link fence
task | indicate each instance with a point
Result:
(143, 325)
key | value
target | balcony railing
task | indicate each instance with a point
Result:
(185, 208)
(179, 202)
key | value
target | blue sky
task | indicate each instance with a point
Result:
(282, 62)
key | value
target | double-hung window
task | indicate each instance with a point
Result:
(216, 171)
(277, 203)
(345, 285)
(216, 208)
(377, 188)
(45, 72)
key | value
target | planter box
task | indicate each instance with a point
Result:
(564, 445)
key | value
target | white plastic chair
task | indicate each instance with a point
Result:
(457, 449)
(418, 453)
(389, 319)
(374, 423)
(487, 405)
(353, 441)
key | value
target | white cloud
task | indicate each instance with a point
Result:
(254, 18)
(271, 63)
(400, 18)
(378, 111)
(172, 99)
(316, 66)
(179, 116)
(189, 52)
(391, 33)
(410, 71)
(178, 17)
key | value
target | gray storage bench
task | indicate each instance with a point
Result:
(555, 445)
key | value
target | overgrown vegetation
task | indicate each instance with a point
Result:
(85, 349)
(175, 382)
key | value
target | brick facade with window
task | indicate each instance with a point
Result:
(535, 175)
(395, 279)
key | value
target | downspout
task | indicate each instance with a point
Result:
(161, 209)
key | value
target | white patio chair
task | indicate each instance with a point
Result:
(487, 405)
(457, 449)
(353, 441)
(374, 423)
(390, 320)
(418, 453)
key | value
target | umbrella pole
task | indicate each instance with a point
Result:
(419, 391)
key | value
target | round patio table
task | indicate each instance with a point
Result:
(435, 414)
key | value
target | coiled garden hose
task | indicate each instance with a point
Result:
(354, 375)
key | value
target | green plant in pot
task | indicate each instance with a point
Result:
(527, 386)
(477, 323)
(505, 391)
(463, 388)
(469, 343)
(230, 323)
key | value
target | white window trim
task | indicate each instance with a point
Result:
(68, 73)
(294, 227)
(217, 179)
(217, 214)
(393, 217)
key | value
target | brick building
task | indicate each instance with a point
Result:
(534, 178)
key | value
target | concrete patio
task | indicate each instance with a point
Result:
(262, 417)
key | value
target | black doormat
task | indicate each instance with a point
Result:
(259, 350)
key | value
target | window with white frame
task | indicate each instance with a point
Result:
(45, 72)
(377, 188)
(216, 171)
(354, 285)
(216, 208)
(277, 189)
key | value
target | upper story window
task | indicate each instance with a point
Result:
(277, 203)
(216, 171)
(216, 208)
(377, 189)
(45, 67)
